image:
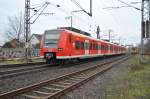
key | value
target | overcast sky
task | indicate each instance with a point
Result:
(124, 22)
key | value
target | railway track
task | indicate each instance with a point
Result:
(20, 65)
(15, 70)
(19, 71)
(56, 87)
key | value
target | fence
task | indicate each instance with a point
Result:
(6, 54)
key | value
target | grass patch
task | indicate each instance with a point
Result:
(134, 83)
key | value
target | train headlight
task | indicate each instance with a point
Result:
(60, 49)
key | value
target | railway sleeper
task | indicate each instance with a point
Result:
(69, 81)
(63, 83)
(79, 77)
(26, 96)
(56, 86)
(73, 79)
(53, 90)
(33, 95)
(47, 90)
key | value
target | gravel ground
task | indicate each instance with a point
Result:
(96, 88)
(31, 78)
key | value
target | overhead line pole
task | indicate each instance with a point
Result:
(145, 26)
(90, 7)
(27, 24)
(142, 31)
(27, 28)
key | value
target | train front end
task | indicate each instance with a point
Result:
(49, 45)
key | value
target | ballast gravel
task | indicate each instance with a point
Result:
(9, 84)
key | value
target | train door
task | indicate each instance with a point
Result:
(109, 51)
(99, 48)
(86, 47)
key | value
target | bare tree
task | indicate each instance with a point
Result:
(15, 29)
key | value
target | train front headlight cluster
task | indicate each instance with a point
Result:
(60, 49)
(49, 55)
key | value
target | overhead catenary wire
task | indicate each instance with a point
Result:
(46, 4)
(129, 5)
(90, 14)
(38, 10)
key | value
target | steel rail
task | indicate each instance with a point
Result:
(18, 65)
(20, 71)
(56, 87)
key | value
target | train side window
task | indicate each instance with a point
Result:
(106, 47)
(93, 46)
(99, 47)
(77, 45)
(90, 46)
(82, 45)
(86, 46)
(96, 46)
(111, 48)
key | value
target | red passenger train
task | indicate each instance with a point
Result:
(68, 43)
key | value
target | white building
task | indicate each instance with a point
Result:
(35, 40)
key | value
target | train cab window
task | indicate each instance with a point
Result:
(82, 45)
(77, 45)
(51, 38)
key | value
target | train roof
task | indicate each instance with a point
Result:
(76, 30)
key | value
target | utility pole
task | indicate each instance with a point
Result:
(145, 26)
(109, 31)
(71, 20)
(109, 35)
(27, 27)
(98, 32)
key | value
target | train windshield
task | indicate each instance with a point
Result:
(51, 38)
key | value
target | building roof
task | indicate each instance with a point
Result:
(38, 36)
(13, 44)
